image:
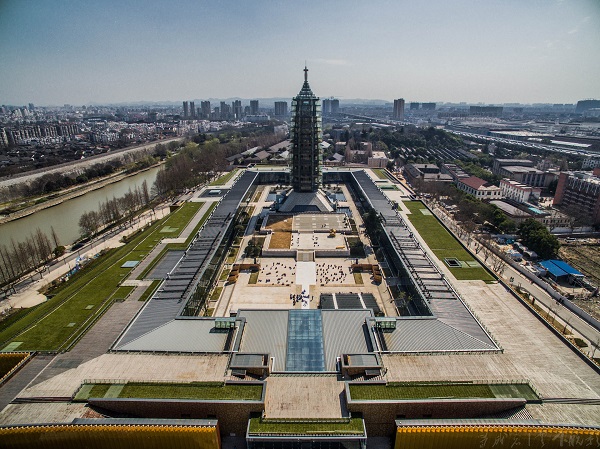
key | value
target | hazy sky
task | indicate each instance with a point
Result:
(491, 51)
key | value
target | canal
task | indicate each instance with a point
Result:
(64, 217)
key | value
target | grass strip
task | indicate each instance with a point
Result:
(150, 290)
(224, 179)
(263, 426)
(358, 278)
(440, 391)
(122, 293)
(194, 390)
(379, 173)
(442, 243)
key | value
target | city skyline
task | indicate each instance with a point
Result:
(57, 52)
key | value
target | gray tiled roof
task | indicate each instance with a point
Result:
(453, 327)
(423, 335)
(197, 335)
(168, 302)
(266, 333)
(343, 333)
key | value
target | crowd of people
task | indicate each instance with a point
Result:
(278, 273)
(331, 273)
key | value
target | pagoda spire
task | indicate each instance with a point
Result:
(305, 73)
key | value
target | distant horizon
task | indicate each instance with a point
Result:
(374, 101)
(118, 52)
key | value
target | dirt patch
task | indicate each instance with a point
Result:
(586, 258)
(280, 240)
(280, 222)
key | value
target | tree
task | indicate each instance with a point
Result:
(537, 238)
(88, 223)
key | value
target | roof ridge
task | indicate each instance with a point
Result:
(464, 333)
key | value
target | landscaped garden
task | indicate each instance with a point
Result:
(63, 318)
(443, 244)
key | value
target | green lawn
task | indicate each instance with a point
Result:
(51, 325)
(123, 292)
(442, 243)
(380, 173)
(354, 426)
(195, 390)
(224, 179)
(442, 390)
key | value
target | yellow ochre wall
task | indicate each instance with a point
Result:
(112, 436)
(497, 437)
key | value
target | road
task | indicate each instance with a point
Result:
(82, 164)
(27, 291)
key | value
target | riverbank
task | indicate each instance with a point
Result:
(29, 290)
(68, 194)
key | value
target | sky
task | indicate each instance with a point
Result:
(78, 52)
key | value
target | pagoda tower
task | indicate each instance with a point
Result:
(306, 135)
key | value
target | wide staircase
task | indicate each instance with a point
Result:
(305, 256)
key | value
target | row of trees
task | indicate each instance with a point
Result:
(115, 210)
(54, 182)
(20, 258)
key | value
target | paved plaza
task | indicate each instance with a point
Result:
(320, 222)
(317, 241)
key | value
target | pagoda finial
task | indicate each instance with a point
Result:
(305, 72)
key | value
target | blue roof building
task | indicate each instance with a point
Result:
(560, 271)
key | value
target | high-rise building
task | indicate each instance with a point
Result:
(428, 106)
(414, 106)
(186, 109)
(225, 111)
(237, 110)
(331, 106)
(326, 106)
(192, 110)
(335, 106)
(584, 105)
(399, 109)
(254, 107)
(281, 108)
(306, 136)
(205, 108)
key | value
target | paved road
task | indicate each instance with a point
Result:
(77, 165)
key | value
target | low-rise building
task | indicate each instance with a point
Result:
(455, 171)
(499, 163)
(517, 191)
(425, 172)
(378, 160)
(479, 188)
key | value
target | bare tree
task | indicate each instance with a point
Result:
(54, 236)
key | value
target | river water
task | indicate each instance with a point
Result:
(64, 217)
